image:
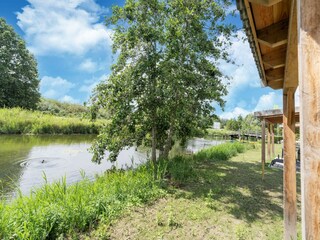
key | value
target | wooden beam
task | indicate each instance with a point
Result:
(309, 86)
(254, 33)
(267, 3)
(275, 59)
(274, 35)
(272, 141)
(291, 69)
(276, 85)
(274, 75)
(289, 173)
(269, 142)
(263, 145)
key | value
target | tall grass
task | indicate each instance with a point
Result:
(56, 210)
(222, 152)
(20, 121)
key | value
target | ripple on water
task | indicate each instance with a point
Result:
(43, 162)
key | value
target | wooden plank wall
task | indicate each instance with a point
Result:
(309, 85)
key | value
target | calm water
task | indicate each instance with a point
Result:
(25, 159)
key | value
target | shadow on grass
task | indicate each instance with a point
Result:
(237, 187)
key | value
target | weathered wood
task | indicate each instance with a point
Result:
(274, 35)
(266, 3)
(272, 140)
(275, 59)
(289, 173)
(269, 142)
(291, 69)
(263, 145)
(309, 85)
(275, 84)
(254, 33)
(274, 75)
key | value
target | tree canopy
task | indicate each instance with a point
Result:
(165, 78)
(18, 71)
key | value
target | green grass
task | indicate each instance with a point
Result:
(57, 210)
(219, 200)
(19, 121)
(217, 193)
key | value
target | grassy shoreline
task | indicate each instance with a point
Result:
(58, 211)
(20, 121)
(221, 200)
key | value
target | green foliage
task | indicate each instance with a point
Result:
(62, 109)
(18, 71)
(180, 169)
(57, 209)
(163, 83)
(233, 125)
(221, 152)
(247, 124)
(19, 121)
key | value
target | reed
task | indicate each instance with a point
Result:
(20, 121)
(57, 210)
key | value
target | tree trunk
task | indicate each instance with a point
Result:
(154, 152)
(168, 145)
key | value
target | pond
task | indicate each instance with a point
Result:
(24, 160)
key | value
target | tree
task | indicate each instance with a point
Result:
(165, 79)
(18, 71)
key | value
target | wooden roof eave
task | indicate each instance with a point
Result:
(273, 40)
(252, 39)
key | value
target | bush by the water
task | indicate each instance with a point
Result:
(20, 121)
(57, 209)
(221, 152)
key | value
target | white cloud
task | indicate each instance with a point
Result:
(237, 111)
(69, 99)
(91, 84)
(63, 26)
(243, 73)
(88, 66)
(55, 87)
(269, 101)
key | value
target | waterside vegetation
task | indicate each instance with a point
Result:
(57, 210)
(21, 121)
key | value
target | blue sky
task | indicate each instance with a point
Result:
(73, 50)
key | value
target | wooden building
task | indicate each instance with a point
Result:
(284, 36)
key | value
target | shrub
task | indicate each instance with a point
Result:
(221, 152)
(20, 121)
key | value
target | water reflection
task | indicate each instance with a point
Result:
(25, 159)
(196, 144)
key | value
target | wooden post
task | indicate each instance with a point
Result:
(269, 141)
(309, 82)
(289, 173)
(272, 140)
(263, 145)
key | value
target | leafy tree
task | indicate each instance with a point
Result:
(165, 77)
(18, 71)
(250, 124)
(233, 125)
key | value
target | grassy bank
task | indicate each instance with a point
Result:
(19, 121)
(57, 210)
(216, 200)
